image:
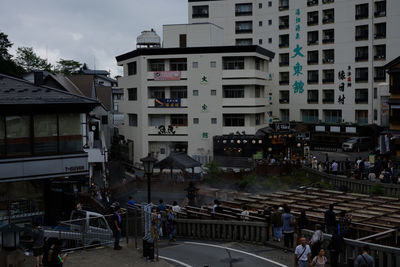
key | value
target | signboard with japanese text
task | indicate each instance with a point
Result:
(167, 103)
(298, 56)
(167, 75)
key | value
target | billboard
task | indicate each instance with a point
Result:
(167, 103)
(167, 75)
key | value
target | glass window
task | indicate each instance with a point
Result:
(233, 63)
(45, 133)
(2, 137)
(132, 69)
(70, 132)
(178, 92)
(213, 120)
(213, 92)
(156, 65)
(244, 27)
(132, 94)
(157, 92)
(195, 65)
(179, 64)
(244, 9)
(233, 91)
(195, 120)
(18, 135)
(179, 120)
(133, 120)
(213, 64)
(234, 120)
(246, 41)
(195, 92)
(200, 11)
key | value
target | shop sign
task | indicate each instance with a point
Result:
(167, 75)
(167, 103)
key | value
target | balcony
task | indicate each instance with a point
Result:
(361, 79)
(328, 40)
(245, 74)
(328, 60)
(312, 61)
(283, 63)
(328, 100)
(312, 2)
(362, 57)
(328, 80)
(361, 100)
(246, 30)
(312, 21)
(284, 100)
(243, 13)
(151, 103)
(248, 102)
(284, 45)
(174, 131)
(284, 82)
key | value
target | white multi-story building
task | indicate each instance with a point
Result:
(329, 53)
(178, 97)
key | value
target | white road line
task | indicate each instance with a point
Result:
(239, 251)
(176, 261)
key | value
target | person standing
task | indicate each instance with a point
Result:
(288, 228)
(364, 259)
(316, 241)
(348, 167)
(267, 214)
(245, 213)
(320, 260)
(302, 254)
(330, 220)
(117, 223)
(344, 224)
(335, 248)
(38, 242)
(171, 222)
(302, 223)
(334, 167)
(176, 207)
(277, 223)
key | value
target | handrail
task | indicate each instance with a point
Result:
(376, 235)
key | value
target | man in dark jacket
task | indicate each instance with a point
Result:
(330, 220)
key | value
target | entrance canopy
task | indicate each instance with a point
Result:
(178, 161)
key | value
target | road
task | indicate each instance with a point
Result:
(212, 254)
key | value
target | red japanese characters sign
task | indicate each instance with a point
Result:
(167, 75)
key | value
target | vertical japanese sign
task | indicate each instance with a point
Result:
(342, 84)
(298, 85)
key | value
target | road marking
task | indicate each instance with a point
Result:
(176, 261)
(239, 251)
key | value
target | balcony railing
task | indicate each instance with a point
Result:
(238, 30)
(328, 40)
(328, 100)
(362, 120)
(328, 80)
(282, 82)
(328, 60)
(379, 57)
(362, 15)
(326, 20)
(380, 35)
(361, 100)
(312, 42)
(284, 6)
(312, 21)
(200, 15)
(312, 61)
(312, 100)
(283, 26)
(312, 80)
(284, 100)
(361, 57)
(282, 45)
(243, 13)
(362, 79)
(283, 63)
(379, 14)
(312, 2)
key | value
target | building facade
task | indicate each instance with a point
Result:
(329, 53)
(177, 98)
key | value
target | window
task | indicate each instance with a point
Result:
(269, 3)
(45, 133)
(200, 11)
(157, 120)
(270, 40)
(97, 222)
(259, 118)
(195, 92)
(312, 18)
(195, 65)
(362, 116)
(244, 9)
(375, 93)
(328, 36)
(332, 116)
(380, 74)
(233, 91)
(329, 76)
(132, 94)
(260, 41)
(380, 52)
(284, 97)
(284, 59)
(104, 120)
(178, 92)
(375, 114)
(312, 76)
(132, 69)
(270, 22)
(283, 22)
(234, 120)
(312, 96)
(328, 96)
(195, 120)
(361, 74)
(328, 16)
(312, 57)
(244, 27)
(283, 77)
(362, 53)
(328, 56)
(361, 96)
(156, 65)
(258, 91)
(259, 64)
(179, 119)
(178, 64)
(260, 5)
(213, 120)
(213, 64)
(213, 92)
(133, 121)
(312, 2)
(312, 38)
(157, 92)
(233, 63)
(2, 137)
(245, 41)
(283, 5)
(284, 114)
(70, 132)
(361, 32)
(362, 11)
(284, 40)
(309, 115)
(260, 23)
(380, 9)
(380, 30)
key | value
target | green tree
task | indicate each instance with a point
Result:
(213, 173)
(5, 44)
(29, 60)
(7, 65)
(68, 66)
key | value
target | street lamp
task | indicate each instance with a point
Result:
(148, 165)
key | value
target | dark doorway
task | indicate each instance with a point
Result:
(182, 41)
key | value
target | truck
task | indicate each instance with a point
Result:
(84, 229)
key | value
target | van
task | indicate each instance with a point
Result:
(357, 144)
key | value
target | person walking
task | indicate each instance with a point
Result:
(335, 247)
(38, 242)
(117, 223)
(320, 260)
(302, 254)
(316, 240)
(277, 223)
(171, 222)
(364, 259)
(288, 228)
(344, 224)
(348, 168)
(330, 220)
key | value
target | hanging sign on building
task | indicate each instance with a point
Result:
(167, 75)
(167, 103)
(298, 85)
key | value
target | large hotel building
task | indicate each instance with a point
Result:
(329, 53)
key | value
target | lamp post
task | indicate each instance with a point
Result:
(148, 165)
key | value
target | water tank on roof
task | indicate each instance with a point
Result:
(148, 39)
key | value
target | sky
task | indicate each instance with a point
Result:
(91, 31)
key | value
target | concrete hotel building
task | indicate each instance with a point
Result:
(178, 97)
(329, 53)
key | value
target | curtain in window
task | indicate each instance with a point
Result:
(45, 133)
(18, 135)
(70, 132)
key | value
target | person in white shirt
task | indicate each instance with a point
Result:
(334, 167)
(176, 207)
(302, 254)
(372, 176)
(245, 213)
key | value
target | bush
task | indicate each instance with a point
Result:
(213, 173)
(247, 180)
(377, 189)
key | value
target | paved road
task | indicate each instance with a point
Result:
(201, 254)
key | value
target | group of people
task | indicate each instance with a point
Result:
(164, 218)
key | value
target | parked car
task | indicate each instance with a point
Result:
(357, 144)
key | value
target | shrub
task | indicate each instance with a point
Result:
(377, 189)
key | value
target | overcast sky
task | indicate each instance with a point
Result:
(86, 30)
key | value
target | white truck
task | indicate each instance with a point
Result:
(84, 229)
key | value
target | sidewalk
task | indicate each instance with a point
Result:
(105, 257)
